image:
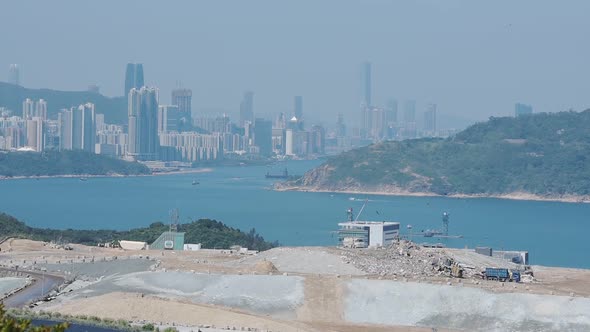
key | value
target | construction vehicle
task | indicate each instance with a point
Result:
(500, 274)
(353, 242)
(515, 275)
(454, 269)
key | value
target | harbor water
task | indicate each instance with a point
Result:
(554, 233)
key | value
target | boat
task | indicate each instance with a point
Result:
(284, 175)
(83, 179)
(195, 182)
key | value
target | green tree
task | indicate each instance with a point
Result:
(11, 324)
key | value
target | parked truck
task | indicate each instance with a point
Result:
(501, 274)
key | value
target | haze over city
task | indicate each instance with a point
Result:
(294, 166)
(472, 59)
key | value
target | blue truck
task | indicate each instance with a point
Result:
(493, 273)
(500, 274)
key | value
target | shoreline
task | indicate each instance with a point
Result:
(517, 196)
(114, 175)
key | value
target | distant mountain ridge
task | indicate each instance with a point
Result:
(544, 156)
(12, 97)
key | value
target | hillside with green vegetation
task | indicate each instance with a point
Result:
(210, 233)
(546, 155)
(114, 109)
(54, 163)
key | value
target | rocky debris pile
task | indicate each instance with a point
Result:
(407, 260)
(265, 267)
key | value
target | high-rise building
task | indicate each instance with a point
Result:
(88, 127)
(430, 120)
(299, 108)
(263, 136)
(64, 119)
(41, 109)
(366, 85)
(99, 120)
(247, 108)
(168, 118)
(289, 142)
(340, 126)
(318, 139)
(34, 109)
(14, 74)
(391, 112)
(133, 77)
(77, 128)
(190, 146)
(410, 111)
(522, 109)
(143, 123)
(182, 98)
(28, 109)
(35, 135)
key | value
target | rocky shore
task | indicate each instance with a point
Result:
(396, 191)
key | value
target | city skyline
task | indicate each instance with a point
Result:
(432, 60)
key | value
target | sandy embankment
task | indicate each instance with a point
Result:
(522, 196)
(136, 307)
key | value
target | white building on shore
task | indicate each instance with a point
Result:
(373, 233)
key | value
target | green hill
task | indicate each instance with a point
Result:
(210, 233)
(52, 163)
(546, 155)
(12, 97)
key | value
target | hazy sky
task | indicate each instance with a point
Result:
(473, 58)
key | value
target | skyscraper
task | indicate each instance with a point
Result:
(522, 109)
(391, 111)
(99, 121)
(35, 137)
(168, 118)
(366, 85)
(410, 111)
(263, 136)
(143, 123)
(28, 109)
(64, 119)
(318, 139)
(430, 120)
(77, 128)
(247, 108)
(41, 109)
(133, 77)
(14, 74)
(182, 99)
(340, 126)
(88, 127)
(299, 108)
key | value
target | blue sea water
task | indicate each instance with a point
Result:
(554, 233)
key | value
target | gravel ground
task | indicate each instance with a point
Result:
(9, 284)
(464, 308)
(315, 260)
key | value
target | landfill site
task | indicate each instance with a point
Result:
(399, 287)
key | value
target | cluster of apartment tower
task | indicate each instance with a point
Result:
(159, 132)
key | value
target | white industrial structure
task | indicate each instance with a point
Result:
(373, 233)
